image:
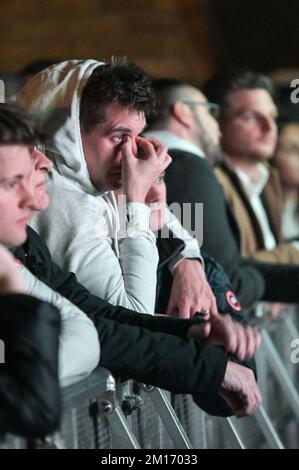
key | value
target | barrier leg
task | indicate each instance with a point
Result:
(280, 372)
(169, 418)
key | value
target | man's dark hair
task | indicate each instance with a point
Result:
(17, 126)
(167, 91)
(219, 88)
(119, 82)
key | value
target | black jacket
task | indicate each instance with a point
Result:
(191, 179)
(29, 388)
(149, 349)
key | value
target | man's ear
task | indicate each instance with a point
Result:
(182, 113)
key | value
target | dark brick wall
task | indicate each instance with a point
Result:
(261, 34)
(166, 37)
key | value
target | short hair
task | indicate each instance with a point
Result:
(167, 91)
(219, 88)
(118, 82)
(18, 127)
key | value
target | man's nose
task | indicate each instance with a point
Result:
(135, 149)
(42, 162)
(218, 131)
(118, 156)
(27, 197)
(269, 124)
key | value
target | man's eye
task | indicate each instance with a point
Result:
(10, 184)
(248, 116)
(160, 179)
(118, 137)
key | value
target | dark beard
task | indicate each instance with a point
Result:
(213, 152)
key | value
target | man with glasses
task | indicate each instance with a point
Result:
(185, 119)
(184, 122)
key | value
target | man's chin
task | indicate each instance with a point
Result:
(115, 186)
(262, 156)
(41, 202)
(17, 239)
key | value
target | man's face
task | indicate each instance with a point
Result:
(103, 145)
(248, 127)
(16, 195)
(41, 165)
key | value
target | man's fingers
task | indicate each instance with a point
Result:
(258, 340)
(147, 147)
(159, 147)
(152, 146)
(127, 147)
(251, 397)
(242, 404)
(241, 342)
(181, 311)
(184, 310)
(234, 401)
(251, 343)
(155, 149)
(204, 330)
(225, 328)
(172, 310)
(213, 307)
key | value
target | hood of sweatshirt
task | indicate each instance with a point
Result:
(54, 97)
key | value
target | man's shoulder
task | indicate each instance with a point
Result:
(186, 157)
(178, 152)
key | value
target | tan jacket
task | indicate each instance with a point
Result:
(251, 237)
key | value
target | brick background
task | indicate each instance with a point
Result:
(166, 37)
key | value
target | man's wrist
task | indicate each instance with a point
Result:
(182, 263)
(135, 196)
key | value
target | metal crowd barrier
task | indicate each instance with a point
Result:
(99, 413)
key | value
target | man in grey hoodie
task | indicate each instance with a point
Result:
(97, 112)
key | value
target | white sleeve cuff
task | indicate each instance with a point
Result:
(185, 254)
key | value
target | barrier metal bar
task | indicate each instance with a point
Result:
(264, 424)
(280, 372)
(267, 428)
(291, 327)
(100, 389)
(169, 418)
(121, 436)
(232, 430)
(193, 419)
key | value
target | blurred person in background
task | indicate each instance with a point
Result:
(286, 160)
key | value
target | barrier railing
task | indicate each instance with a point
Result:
(103, 414)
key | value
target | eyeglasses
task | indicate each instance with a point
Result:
(213, 108)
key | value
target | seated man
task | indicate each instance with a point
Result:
(154, 350)
(29, 332)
